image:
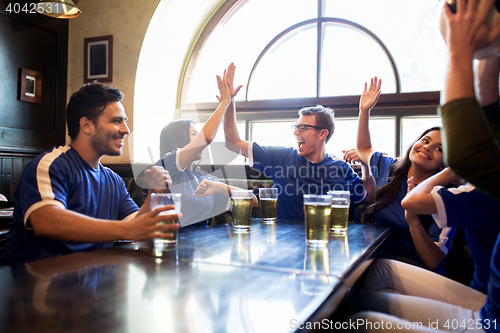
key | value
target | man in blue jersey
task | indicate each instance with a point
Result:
(67, 201)
(305, 170)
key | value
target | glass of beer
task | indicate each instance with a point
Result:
(242, 209)
(268, 198)
(160, 200)
(317, 209)
(340, 211)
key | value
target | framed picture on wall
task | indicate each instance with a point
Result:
(98, 59)
(29, 86)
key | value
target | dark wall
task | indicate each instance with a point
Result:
(40, 43)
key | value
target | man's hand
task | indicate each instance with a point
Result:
(158, 179)
(370, 95)
(145, 226)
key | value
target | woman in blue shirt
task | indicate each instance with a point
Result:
(414, 239)
(181, 145)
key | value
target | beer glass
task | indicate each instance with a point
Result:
(317, 209)
(268, 198)
(242, 209)
(340, 211)
(160, 200)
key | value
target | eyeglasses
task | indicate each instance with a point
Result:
(302, 127)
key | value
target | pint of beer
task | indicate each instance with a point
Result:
(242, 209)
(317, 210)
(268, 198)
(160, 200)
(340, 211)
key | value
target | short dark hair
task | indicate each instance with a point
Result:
(89, 101)
(175, 135)
(324, 117)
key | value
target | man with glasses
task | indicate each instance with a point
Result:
(306, 169)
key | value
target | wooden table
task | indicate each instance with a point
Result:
(216, 280)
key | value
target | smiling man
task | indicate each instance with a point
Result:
(306, 169)
(67, 201)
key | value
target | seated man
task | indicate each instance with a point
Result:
(66, 201)
(305, 170)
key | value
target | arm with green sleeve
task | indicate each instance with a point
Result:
(470, 148)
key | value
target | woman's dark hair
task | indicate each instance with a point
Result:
(175, 135)
(89, 101)
(398, 172)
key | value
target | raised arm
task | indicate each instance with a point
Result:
(470, 147)
(232, 136)
(487, 72)
(367, 101)
(466, 33)
(207, 134)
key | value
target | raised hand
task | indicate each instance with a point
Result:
(229, 78)
(225, 93)
(467, 30)
(370, 95)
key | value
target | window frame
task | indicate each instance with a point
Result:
(397, 104)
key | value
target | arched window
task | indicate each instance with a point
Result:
(295, 53)
(311, 48)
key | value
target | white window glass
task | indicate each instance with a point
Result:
(240, 38)
(351, 58)
(288, 70)
(409, 29)
(274, 133)
(413, 127)
(382, 131)
(216, 153)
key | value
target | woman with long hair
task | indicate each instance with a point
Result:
(181, 145)
(414, 239)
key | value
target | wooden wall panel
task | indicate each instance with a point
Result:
(39, 43)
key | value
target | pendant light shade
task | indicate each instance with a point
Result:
(59, 8)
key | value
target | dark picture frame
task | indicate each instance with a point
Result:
(29, 86)
(98, 59)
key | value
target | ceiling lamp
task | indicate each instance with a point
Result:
(65, 9)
